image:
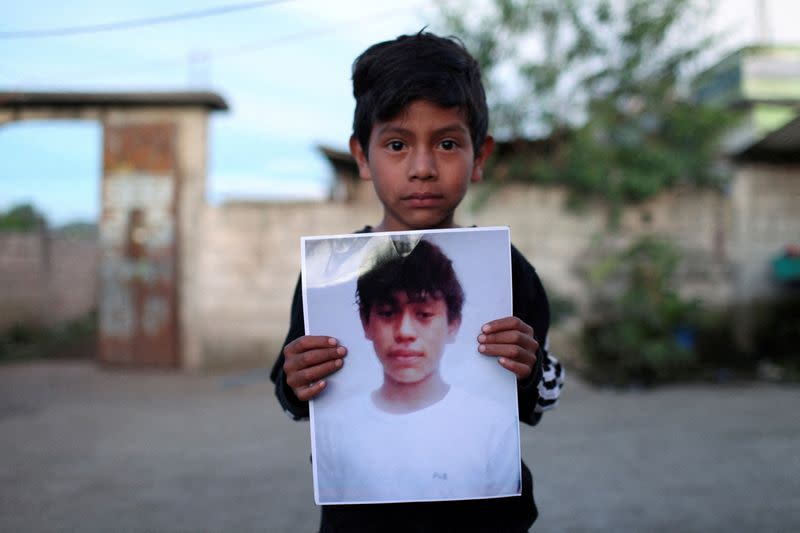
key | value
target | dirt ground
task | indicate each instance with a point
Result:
(96, 450)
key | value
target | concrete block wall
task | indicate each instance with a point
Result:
(551, 237)
(46, 279)
(248, 264)
(73, 277)
(239, 277)
(23, 278)
(767, 202)
(559, 242)
(248, 268)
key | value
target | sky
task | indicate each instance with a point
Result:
(283, 68)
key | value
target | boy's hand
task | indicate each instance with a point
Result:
(511, 341)
(309, 359)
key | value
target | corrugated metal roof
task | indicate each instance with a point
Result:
(779, 146)
(20, 99)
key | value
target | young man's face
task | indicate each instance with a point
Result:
(409, 336)
(420, 163)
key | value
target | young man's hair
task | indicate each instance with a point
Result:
(389, 76)
(422, 273)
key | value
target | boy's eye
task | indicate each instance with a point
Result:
(384, 312)
(424, 314)
(448, 144)
(396, 146)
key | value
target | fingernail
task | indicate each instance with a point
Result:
(502, 360)
(481, 348)
(332, 341)
(338, 363)
(341, 350)
(486, 328)
(481, 338)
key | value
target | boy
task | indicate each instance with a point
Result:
(420, 136)
(410, 308)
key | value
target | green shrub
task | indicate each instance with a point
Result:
(561, 307)
(73, 339)
(642, 330)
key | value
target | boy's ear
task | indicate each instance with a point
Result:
(365, 325)
(452, 330)
(361, 158)
(480, 160)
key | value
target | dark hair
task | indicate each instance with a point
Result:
(424, 272)
(389, 76)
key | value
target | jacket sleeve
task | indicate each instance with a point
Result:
(293, 407)
(540, 391)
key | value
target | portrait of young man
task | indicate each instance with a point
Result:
(418, 417)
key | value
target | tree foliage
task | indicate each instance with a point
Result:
(22, 217)
(607, 78)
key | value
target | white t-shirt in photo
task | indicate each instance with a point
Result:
(461, 447)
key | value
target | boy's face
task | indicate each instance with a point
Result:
(409, 336)
(420, 163)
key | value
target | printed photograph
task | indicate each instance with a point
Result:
(416, 413)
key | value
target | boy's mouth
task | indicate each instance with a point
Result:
(422, 199)
(405, 356)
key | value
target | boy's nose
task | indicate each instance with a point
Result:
(423, 165)
(405, 328)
